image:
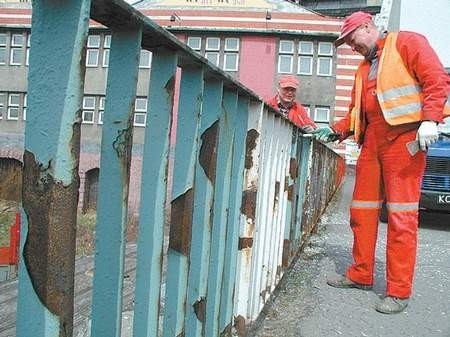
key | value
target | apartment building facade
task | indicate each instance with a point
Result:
(255, 41)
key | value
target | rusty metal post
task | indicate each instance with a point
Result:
(50, 176)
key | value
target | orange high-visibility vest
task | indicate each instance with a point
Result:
(399, 94)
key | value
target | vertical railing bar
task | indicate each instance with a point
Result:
(284, 206)
(186, 149)
(221, 199)
(291, 229)
(205, 179)
(275, 219)
(260, 220)
(232, 235)
(112, 205)
(268, 215)
(153, 194)
(247, 252)
(50, 171)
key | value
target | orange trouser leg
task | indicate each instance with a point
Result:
(402, 175)
(364, 213)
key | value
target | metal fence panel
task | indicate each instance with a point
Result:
(247, 188)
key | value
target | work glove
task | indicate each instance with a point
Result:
(427, 134)
(308, 129)
(323, 134)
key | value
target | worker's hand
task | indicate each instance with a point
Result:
(427, 134)
(323, 134)
(308, 129)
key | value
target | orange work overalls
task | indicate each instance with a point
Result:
(385, 169)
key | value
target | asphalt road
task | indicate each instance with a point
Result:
(305, 306)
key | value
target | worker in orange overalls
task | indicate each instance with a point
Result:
(401, 92)
(284, 102)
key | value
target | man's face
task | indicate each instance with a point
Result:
(287, 95)
(363, 39)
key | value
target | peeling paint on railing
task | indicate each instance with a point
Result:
(247, 188)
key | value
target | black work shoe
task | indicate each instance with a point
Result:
(342, 281)
(392, 305)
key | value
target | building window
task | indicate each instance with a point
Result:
(212, 50)
(145, 59)
(3, 40)
(324, 59)
(27, 55)
(140, 111)
(24, 114)
(305, 58)
(16, 50)
(222, 53)
(88, 110)
(101, 110)
(2, 104)
(13, 106)
(231, 54)
(93, 45)
(195, 42)
(286, 57)
(322, 114)
(106, 47)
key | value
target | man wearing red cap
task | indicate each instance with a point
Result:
(401, 92)
(284, 102)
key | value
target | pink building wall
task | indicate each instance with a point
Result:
(257, 64)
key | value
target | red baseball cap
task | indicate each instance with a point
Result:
(288, 81)
(351, 23)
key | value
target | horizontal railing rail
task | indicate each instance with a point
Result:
(238, 195)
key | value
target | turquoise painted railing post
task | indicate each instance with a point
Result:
(182, 200)
(291, 209)
(205, 179)
(50, 173)
(153, 194)
(240, 121)
(304, 150)
(221, 206)
(114, 177)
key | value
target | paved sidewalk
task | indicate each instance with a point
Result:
(306, 307)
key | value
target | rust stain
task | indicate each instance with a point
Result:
(49, 250)
(245, 243)
(286, 253)
(181, 223)
(200, 309)
(169, 87)
(293, 168)
(248, 205)
(290, 191)
(123, 141)
(227, 331)
(240, 326)
(250, 145)
(276, 195)
(208, 151)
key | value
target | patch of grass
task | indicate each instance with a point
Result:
(85, 233)
(8, 210)
(85, 237)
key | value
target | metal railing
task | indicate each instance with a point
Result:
(246, 188)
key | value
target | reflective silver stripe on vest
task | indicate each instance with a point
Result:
(402, 110)
(402, 206)
(399, 92)
(366, 204)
